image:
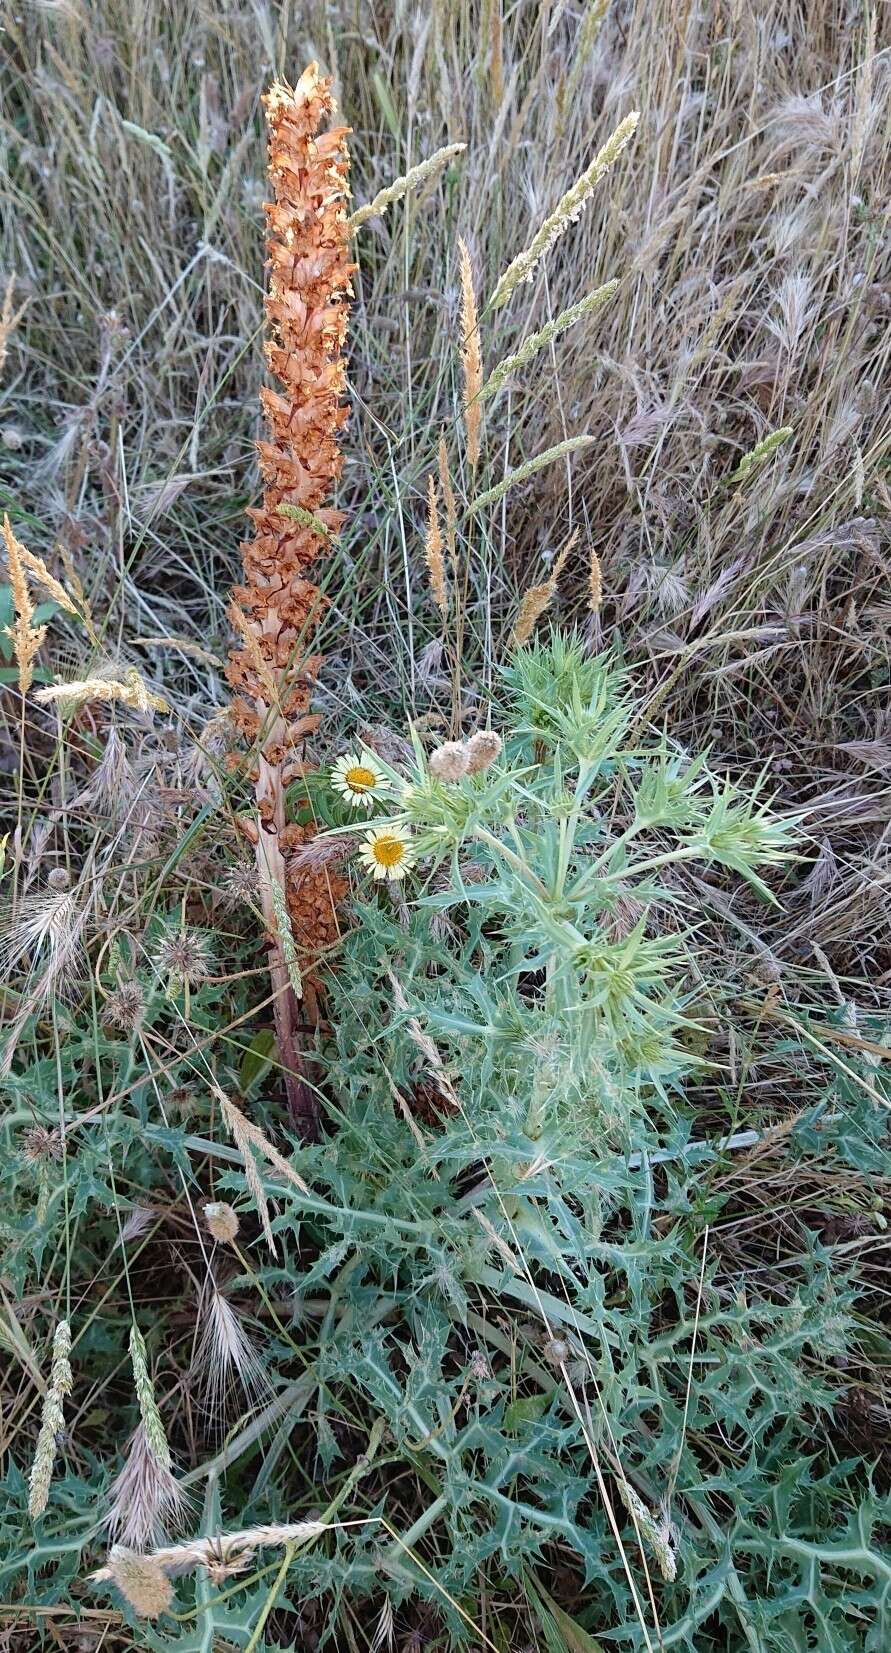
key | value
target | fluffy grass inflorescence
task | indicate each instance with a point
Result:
(508, 1256)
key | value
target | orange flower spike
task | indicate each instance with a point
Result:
(272, 667)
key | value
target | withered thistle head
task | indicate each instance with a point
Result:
(449, 762)
(222, 1221)
(141, 1581)
(482, 750)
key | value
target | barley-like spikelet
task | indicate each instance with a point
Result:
(141, 1580)
(38, 569)
(226, 1354)
(148, 1406)
(496, 53)
(286, 937)
(52, 1421)
(762, 450)
(129, 691)
(538, 598)
(144, 1500)
(240, 1131)
(246, 1135)
(26, 637)
(492, 495)
(539, 341)
(451, 509)
(433, 551)
(588, 32)
(401, 186)
(471, 358)
(656, 1531)
(566, 211)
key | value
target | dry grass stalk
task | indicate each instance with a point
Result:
(471, 358)
(307, 307)
(204, 1552)
(129, 691)
(52, 1421)
(565, 213)
(412, 180)
(433, 549)
(538, 598)
(595, 583)
(26, 637)
(246, 1135)
(559, 451)
(538, 341)
(451, 509)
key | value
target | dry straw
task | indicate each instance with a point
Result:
(52, 1421)
(471, 358)
(538, 341)
(492, 495)
(565, 213)
(413, 179)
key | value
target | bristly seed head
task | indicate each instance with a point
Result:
(40, 1145)
(185, 956)
(124, 1008)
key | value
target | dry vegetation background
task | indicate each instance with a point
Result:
(748, 226)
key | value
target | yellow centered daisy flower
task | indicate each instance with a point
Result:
(360, 779)
(386, 852)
